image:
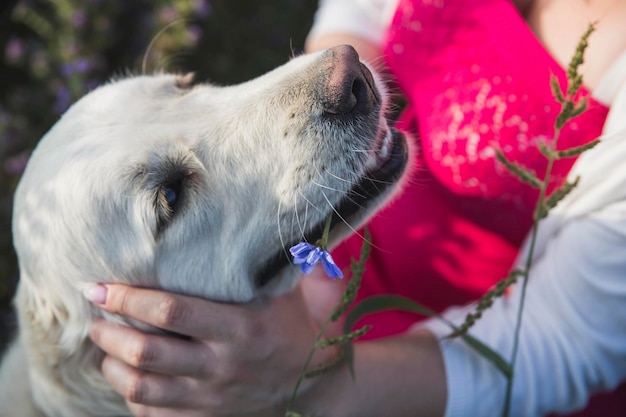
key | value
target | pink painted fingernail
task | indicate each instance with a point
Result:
(96, 293)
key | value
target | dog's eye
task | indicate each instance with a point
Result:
(171, 194)
(169, 198)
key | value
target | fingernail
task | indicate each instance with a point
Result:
(96, 293)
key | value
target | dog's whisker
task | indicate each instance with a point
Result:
(353, 201)
(339, 178)
(301, 228)
(280, 233)
(339, 214)
(359, 150)
(378, 181)
(352, 229)
(311, 203)
(326, 187)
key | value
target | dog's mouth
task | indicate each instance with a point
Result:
(383, 169)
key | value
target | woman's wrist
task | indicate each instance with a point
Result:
(399, 376)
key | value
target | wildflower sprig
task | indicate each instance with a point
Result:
(524, 174)
(307, 255)
(303, 257)
(487, 301)
(357, 269)
(571, 107)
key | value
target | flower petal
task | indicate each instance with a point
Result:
(314, 256)
(302, 249)
(300, 252)
(331, 268)
(307, 256)
(306, 268)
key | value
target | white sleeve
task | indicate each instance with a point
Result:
(573, 335)
(365, 18)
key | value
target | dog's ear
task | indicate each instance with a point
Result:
(186, 81)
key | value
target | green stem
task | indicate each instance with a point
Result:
(302, 374)
(323, 242)
(529, 261)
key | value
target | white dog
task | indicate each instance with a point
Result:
(197, 189)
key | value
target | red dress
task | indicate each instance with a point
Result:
(476, 79)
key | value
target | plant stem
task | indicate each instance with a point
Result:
(322, 244)
(529, 261)
(302, 374)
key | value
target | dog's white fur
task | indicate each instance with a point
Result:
(259, 163)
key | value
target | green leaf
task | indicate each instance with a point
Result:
(323, 344)
(565, 115)
(376, 304)
(558, 195)
(556, 89)
(580, 107)
(524, 174)
(325, 367)
(546, 150)
(486, 301)
(379, 303)
(577, 150)
(357, 268)
(392, 302)
(489, 354)
(572, 70)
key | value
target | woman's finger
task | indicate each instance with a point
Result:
(149, 352)
(140, 387)
(177, 313)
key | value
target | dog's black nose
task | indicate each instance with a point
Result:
(349, 84)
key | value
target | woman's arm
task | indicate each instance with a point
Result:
(244, 360)
(360, 23)
(572, 341)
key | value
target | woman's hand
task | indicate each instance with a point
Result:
(238, 360)
(244, 360)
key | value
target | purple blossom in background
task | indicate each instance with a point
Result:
(91, 85)
(202, 8)
(14, 49)
(168, 14)
(79, 18)
(8, 138)
(16, 164)
(62, 99)
(80, 66)
(307, 256)
(195, 33)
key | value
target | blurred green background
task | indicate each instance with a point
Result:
(55, 51)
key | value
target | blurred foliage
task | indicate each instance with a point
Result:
(54, 51)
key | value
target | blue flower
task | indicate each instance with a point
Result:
(307, 255)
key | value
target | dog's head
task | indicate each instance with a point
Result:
(199, 189)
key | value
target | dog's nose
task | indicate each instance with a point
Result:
(349, 84)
